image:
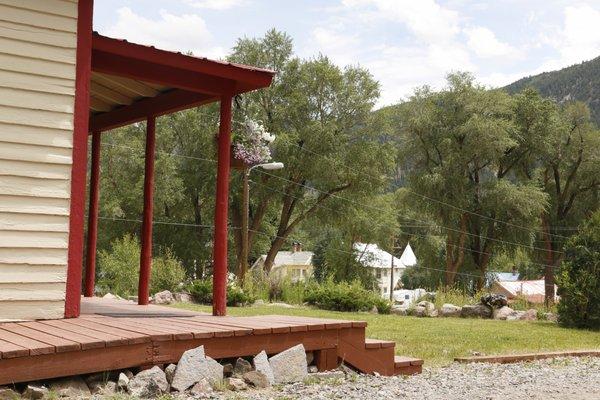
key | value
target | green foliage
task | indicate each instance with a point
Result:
(202, 292)
(345, 296)
(422, 278)
(118, 270)
(579, 279)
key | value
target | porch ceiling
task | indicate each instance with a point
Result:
(130, 82)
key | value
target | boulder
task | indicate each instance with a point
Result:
(236, 384)
(529, 315)
(476, 311)
(201, 389)
(515, 316)
(183, 297)
(227, 370)
(312, 369)
(164, 297)
(424, 309)
(109, 388)
(256, 379)
(399, 310)
(122, 381)
(289, 365)
(259, 302)
(450, 310)
(149, 383)
(548, 316)
(193, 367)
(35, 392)
(374, 310)
(503, 313)
(128, 373)
(494, 300)
(170, 372)
(241, 367)
(261, 364)
(70, 387)
(110, 296)
(8, 394)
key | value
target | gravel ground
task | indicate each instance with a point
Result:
(561, 378)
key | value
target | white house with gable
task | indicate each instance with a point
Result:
(380, 262)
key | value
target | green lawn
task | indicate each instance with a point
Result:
(439, 340)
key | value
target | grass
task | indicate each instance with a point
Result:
(439, 340)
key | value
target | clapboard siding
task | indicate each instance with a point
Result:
(37, 87)
(18, 273)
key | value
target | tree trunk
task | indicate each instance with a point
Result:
(549, 292)
(455, 252)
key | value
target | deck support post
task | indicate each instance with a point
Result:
(92, 236)
(146, 249)
(221, 208)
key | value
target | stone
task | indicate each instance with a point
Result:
(476, 311)
(310, 357)
(129, 374)
(97, 382)
(201, 388)
(289, 365)
(374, 310)
(515, 316)
(261, 364)
(399, 310)
(70, 387)
(256, 379)
(494, 300)
(148, 383)
(312, 369)
(164, 297)
(193, 367)
(35, 392)
(529, 315)
(227, 370)
(183, 297)
(259, 302)
(8, 394)
(170, 372)
(450, 310)
(548, 316)
(502, 313)
(236, 384)
(241, 367)
(109, 388)
(110, 296)
(122, 381)
(424, 309)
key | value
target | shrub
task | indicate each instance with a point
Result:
(202, 292)
(344, 296)
(167, 273)
(579, 278)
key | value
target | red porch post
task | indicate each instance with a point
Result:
(85, 10)
(146, 251)
(90, 268)
(221, 207)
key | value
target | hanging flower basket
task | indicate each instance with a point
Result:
(250, 145)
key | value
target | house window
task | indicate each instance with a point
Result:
(378, 274)
(385, 273)
(385, 290)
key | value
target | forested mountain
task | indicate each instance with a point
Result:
(578, 82)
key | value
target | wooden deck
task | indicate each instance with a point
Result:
(112, 335)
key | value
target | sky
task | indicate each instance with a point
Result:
(405, 44)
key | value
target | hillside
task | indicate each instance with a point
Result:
(577, 82)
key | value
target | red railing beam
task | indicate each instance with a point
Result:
(146, 250)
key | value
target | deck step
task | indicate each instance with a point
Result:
(407, 365)
(378, 344)
(402, 361)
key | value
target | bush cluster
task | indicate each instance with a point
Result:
(345, 296)
(202, 292)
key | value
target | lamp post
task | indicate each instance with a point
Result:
(246, 213)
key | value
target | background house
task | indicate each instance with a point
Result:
(380, 262)
(533, 291)
(295, 264)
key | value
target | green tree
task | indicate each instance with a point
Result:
(579, 278)
(458, 144)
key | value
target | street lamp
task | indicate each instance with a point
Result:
(246, 212)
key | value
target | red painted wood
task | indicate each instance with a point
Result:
(92, 236)
(175, 100)
(254, 77)
(78, 169)
(221, 208)
(146, 250)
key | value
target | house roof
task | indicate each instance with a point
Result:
(503, 276)
(370, 255)
(288, 258)
(408, 257)
(131, 81)
(534, 290)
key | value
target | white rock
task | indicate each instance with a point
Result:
(289, 365)
(193, 367)
(450, 310)
(122, 381)
(149, 383)
(183, 297)
(8, 394)
(170, 372)
(164, 297)
(35, 392)
(70, 387)
(529, 315)
(201, 388)
(110, 296)
(261, 364)
(503, 313)
(237, 384)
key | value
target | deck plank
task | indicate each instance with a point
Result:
(35, 347)
(178, 332)
(73, 325)
(201, 328)
(86, 342)
(11, 350)
(133, 329)
(61, 344)
(257, 327)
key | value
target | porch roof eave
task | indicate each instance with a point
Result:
(131, 82)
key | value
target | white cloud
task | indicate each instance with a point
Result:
(186, 32)
(484, 43)
(215, 4)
